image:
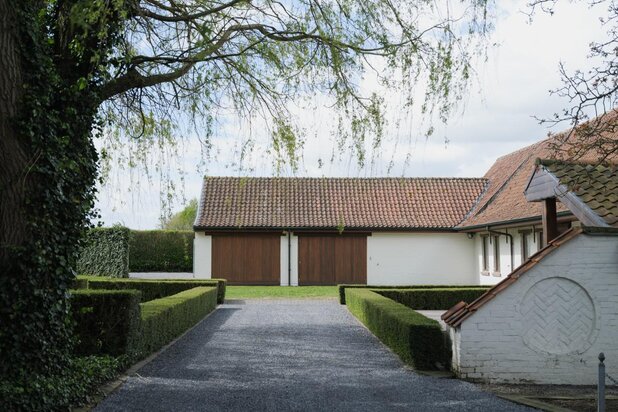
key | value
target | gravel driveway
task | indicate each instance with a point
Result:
(304, 355)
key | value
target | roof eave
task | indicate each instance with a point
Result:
(517, 221)
(326, 228)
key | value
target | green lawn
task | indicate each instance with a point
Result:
(261, 292)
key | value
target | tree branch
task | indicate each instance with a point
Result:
(185, 17)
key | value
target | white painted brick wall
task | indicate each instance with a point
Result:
(497, 343)
(202, 263)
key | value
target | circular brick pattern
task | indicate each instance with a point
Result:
(558, 317)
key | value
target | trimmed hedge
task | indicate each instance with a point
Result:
(106, 321)
(417, 340)
(114, 322)
(105, 253)
(343, 287)
(164, 319)
(155, 289)
(161, 251)
(432, 299)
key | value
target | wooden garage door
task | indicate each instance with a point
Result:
(247, 259)
(329, 260)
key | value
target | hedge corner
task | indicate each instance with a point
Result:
(418, 340)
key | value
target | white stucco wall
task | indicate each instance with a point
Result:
(420, 258)
(550, 325)
(202, 256)
(289, 252)
(505, 253)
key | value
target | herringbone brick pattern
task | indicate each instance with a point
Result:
(559, 317)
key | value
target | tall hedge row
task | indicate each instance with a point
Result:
(161, 251)
(106, 253)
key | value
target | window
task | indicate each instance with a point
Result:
(497, 255)
(485, 251)
(540, 240)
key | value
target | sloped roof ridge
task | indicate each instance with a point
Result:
(499, 190)
(523, 149)
(551, 162)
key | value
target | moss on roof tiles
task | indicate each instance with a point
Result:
(595, 185)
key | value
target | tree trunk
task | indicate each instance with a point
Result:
(13, 154)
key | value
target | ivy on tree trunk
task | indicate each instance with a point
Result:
(48, 168)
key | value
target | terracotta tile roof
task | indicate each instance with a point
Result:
(504, 199)
(380, 203)
(456, 315)
(595, 185)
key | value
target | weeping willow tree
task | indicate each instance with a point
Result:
(72, 68)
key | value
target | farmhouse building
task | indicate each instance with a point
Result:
(379, 231)
(322, 231)
(549, 319)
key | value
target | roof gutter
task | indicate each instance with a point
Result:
(530, 220)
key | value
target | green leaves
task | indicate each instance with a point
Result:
(105, 252)
(182, 220)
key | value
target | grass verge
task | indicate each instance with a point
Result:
(266, 292)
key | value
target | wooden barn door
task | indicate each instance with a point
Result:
(332, 259)
(247, 258)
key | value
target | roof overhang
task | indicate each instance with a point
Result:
(564, 216)
(240, 229)
(545, 185)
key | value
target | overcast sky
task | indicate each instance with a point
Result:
(498, 118)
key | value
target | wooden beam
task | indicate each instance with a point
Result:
(550, 220)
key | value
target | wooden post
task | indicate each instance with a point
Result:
(550, 220)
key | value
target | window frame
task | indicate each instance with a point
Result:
(484, 255)
(496, 253)
(524, 244)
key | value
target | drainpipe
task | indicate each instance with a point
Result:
(289, 258)
(507, 234)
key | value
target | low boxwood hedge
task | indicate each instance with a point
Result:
(343, 287)
(418, 340)
(155, 289)
(105, 252)
(114, 322)
(432, 299)
(161, 251)
(106, 321)
(164, 319)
